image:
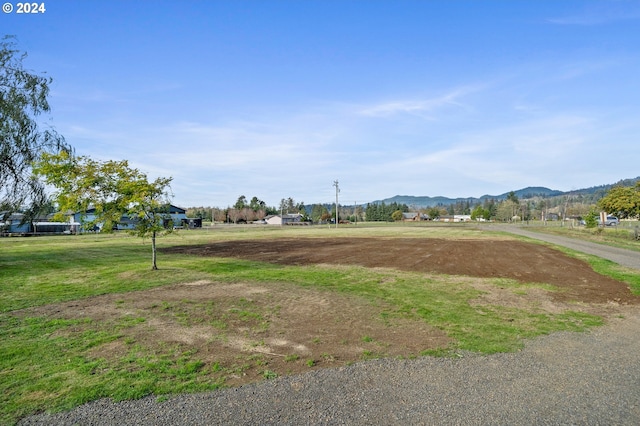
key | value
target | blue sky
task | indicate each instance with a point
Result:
(278, 99)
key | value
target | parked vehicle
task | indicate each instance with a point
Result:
(610, 221)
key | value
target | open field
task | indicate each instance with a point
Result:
(85, 317)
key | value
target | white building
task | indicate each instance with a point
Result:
(285, 219)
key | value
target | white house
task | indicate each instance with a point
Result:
(285, 219)
(456, 218)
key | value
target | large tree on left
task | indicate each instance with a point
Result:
(23, 101)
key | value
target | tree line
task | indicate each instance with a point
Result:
(622, 201)
(381, 212)
(247, 210)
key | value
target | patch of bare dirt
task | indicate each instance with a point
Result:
(247, 329)
(524, 262)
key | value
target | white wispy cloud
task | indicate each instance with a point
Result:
(482, 146)
(422, 107)
(497, 159)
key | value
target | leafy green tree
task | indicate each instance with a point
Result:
(591, 219)
(396, 215)
(490, 206)
(433, 212)
(113, 189)
(623, 201)
(480, 212)
(23, 98)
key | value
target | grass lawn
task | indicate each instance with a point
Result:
(46, 363)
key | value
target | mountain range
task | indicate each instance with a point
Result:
(595, 192)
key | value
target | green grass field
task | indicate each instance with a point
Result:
(45, 362)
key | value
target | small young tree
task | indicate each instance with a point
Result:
(113, 189)
(149, 204)
(591, 219)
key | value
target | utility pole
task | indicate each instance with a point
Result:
(355, 212)
(335, 183)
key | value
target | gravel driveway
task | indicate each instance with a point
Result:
(566, 378)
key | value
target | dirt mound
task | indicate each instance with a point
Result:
(525, 262)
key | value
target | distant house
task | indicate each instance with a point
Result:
(552, 216)
(456, 218)
(414, 217)
(175, 216)
(15, 224)
(88, 216)
(285, 219)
